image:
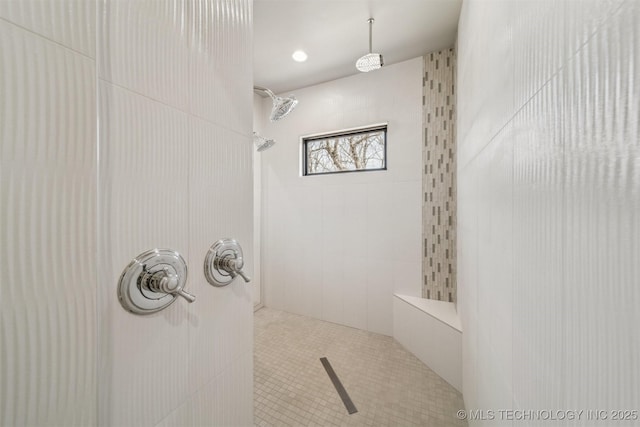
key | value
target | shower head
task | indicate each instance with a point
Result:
(261, 142)
(370, 61)
(281, 106)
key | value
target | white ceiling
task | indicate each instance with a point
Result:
(334, 33)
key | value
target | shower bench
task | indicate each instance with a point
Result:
(432, 331)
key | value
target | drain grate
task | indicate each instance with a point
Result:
(351, 408)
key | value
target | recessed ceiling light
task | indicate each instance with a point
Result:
(299, 56)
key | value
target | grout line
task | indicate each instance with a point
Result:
(50, 40)
(187, 113)
(559, 70)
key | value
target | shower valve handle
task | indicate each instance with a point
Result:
(246, 278)
(166, 282)
(224, 262)
(153, 281)
(232, 265)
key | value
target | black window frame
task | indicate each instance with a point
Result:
(343, 133)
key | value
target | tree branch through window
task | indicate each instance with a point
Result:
(347, 152)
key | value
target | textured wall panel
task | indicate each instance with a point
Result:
(602, 215)
(47, 230)
(220, 205)
(143, 205)
(222, 402)
(175, 171)
(537, 259)
(563, 27)
(219, 66)
(154, 47)
(68, 22)
(549, 195)
(157, 165)
(143, 46)
(488, 106)
(439, 180)
(494, 204)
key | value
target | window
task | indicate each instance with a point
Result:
(354, 150)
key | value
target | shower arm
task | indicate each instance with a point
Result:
(265, 90)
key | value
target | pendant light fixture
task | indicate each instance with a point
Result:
(370, 61)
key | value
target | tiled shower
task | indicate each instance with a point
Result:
(126, 126)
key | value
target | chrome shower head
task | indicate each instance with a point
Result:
(371, 61)
(261, 142)
(281, 106)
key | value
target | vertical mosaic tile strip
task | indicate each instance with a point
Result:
(439, 179)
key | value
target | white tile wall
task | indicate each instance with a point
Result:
(143, 46)
(260, 114)
(47, 217)
(175, 171)
(602, 201)
(337, 247)
(142, 161)
(220, 206)
(71, 23)
(549, 180)
(221, 401)
(165, 161)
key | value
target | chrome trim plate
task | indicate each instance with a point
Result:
(138, 292)
(224, 262)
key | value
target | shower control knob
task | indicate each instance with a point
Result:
(169, 283)
(232, 263)
(224, 262)
(153, 281)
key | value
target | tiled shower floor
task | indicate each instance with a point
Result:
(388, 385)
